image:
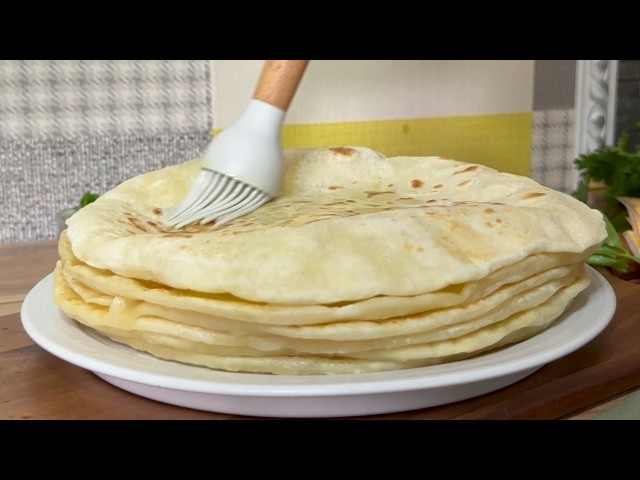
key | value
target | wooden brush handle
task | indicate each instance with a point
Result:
(278, 82)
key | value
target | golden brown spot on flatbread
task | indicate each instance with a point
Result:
(431, 201)
(498, 220)
(345, 152)
(489, 211)
(322, 218)
(334, 187)
(390, 185)
(420, 249)
(462, 184)
(152, 224)
(136, 223)
(156, 211)
(176, 235)
(533, 195)
(416, 183)
(472, 168)
(437, 186)
(489, 224)
(373, 193)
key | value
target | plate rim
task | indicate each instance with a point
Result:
(265, 385)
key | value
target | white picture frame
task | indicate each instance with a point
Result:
(595, 104)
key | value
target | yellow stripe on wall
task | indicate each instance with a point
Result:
(501, 141)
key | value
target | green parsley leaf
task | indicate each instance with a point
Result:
(86, 199)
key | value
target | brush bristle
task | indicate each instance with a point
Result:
(214, 197)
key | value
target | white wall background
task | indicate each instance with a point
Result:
(358, 90)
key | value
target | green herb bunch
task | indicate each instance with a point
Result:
(618, 168)
(612, 254)
(86, 199)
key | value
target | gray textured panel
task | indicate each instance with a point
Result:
(554, 84)
(628, 101)
(68, 98)
(629, 70)
(552, 149)
(41, 177)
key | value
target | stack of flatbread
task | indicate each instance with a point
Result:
(363, 264)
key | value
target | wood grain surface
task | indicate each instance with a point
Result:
(279, 81)
(37, 385)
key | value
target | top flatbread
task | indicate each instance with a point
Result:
(349, 225)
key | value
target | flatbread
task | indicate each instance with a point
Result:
(350, 225)
(229, 307)
(186, 344)
(336, 337)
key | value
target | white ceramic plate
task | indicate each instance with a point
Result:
(312, 396)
